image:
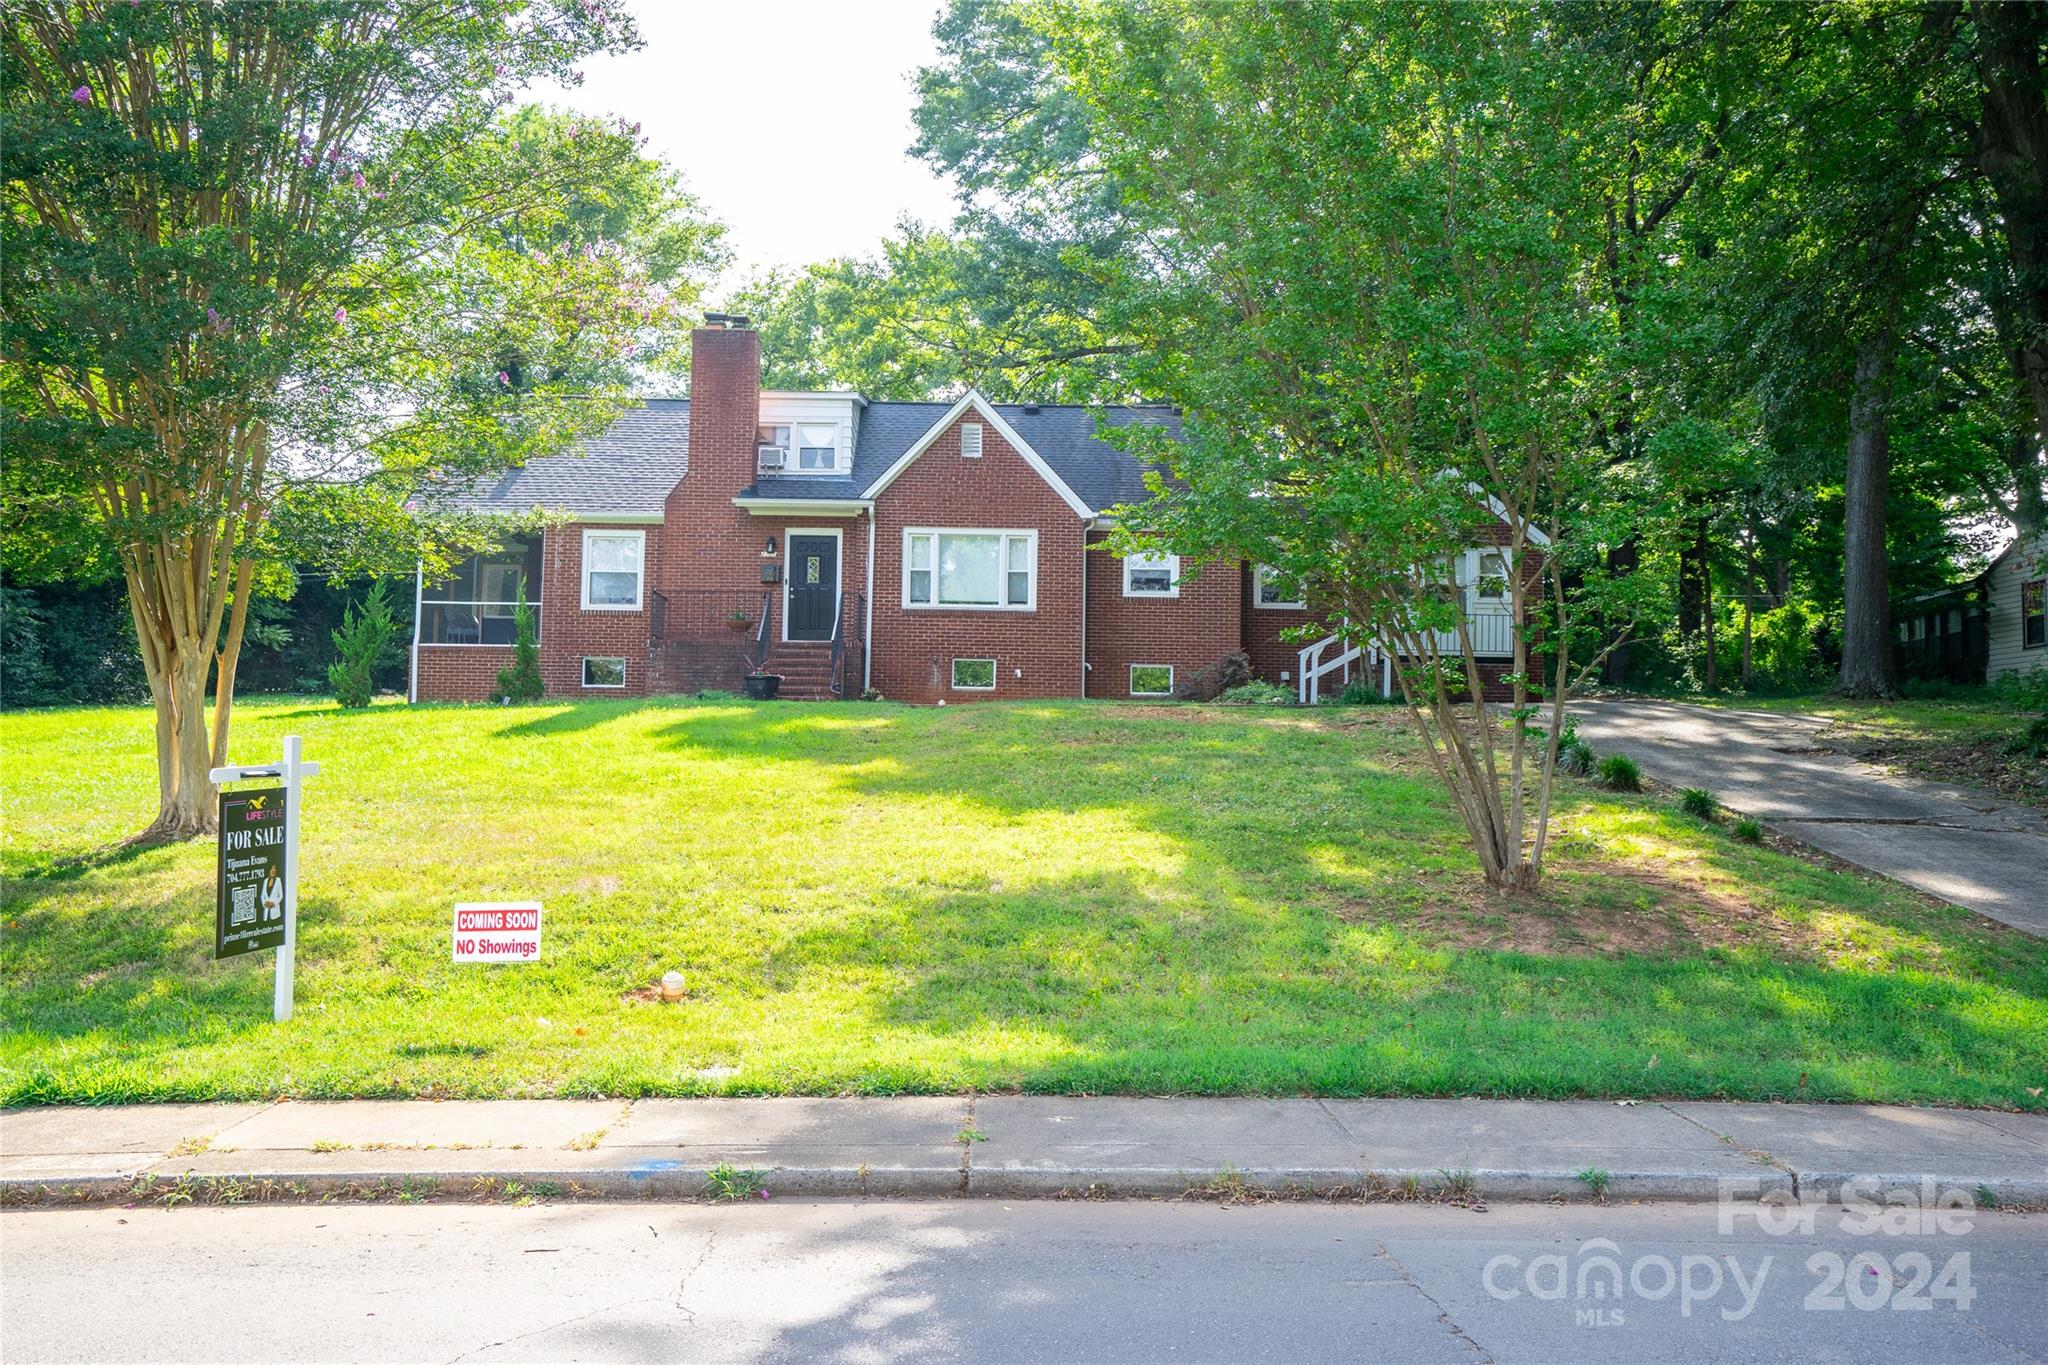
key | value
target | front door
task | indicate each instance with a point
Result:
(813, 586)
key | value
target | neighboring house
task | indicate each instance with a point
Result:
(1978, 631)
(932, 552)
(2015, 628)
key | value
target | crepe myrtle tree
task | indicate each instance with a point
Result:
(1382, 227)
(271, 257)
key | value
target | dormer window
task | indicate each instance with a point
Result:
(817, 446)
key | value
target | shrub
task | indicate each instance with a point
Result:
(1257, 694)
(1620, 772)
(1576, 758)
(1698, 802)
(366, 632)
(1747, 830)
(521, 681)
(2027, 691)
(1361, 692)
(2031, 742)
(1786, 651)
(872, 694)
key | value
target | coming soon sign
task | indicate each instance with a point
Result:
(497, 931)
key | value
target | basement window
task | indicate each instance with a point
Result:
(604, 672)
(1151, 680)
(974, 675)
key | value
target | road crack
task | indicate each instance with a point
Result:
(1443, 1315)
(710, 1240)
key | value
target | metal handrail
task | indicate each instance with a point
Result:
(836, 683)
(761, 632)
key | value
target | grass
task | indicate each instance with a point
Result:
(1034, 896)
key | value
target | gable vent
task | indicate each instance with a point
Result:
(970, 440)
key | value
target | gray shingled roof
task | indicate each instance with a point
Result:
(630, 469)
(1064, 436)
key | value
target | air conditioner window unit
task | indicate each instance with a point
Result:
(772, 457)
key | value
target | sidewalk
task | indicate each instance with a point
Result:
(1020, 1147)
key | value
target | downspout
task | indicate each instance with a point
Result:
(419, 579)
(867, 629)
(1086, 524)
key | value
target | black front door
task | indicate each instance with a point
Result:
(813, 586)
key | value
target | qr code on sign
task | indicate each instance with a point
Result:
(243, 910)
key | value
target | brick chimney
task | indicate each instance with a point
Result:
(708, 543)
(725, 401)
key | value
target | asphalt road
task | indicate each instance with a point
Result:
(984, 1280)
(1970, 847)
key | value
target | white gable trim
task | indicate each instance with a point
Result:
(1500, 510)
(974, 400)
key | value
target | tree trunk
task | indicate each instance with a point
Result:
(1621, 559)
(1748, 603)
(1866, 669)
(1707, 610)
(1691, 566)
(2012, 150)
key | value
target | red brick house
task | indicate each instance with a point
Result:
(930, 551)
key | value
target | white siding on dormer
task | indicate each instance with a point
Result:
(797, 410)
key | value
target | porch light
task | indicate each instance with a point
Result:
(768, 550)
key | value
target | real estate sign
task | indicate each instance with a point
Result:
(497, 931)
(250, 888)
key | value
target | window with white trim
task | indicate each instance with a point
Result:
(817, 446)
(1151, 575)
(970, 440)
(989, 570)
(974, 675)
(599, 672)
(1151, 680)
(1490, 582)
(1269, 589)
(612, 565)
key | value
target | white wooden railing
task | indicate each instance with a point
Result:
(1492, 635)
(1317, 663)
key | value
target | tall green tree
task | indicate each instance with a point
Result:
(935, 313)
(263, 258)
(1379, 233)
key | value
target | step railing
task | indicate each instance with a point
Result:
(1315, 663)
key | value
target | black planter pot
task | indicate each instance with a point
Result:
(763, 686)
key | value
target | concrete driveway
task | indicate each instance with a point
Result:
(1970, 847)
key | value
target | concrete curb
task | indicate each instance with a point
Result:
(1024, 1147)
(684, 1180)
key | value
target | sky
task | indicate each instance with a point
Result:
(789, 119)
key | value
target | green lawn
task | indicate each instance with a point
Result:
(1045, 896)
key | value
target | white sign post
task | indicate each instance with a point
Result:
(293, 770)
